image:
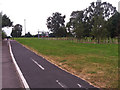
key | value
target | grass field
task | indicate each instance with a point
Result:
(96, 63)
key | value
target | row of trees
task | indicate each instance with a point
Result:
(99, 21)
(16, 30)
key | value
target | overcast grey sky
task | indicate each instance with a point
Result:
(36, 12)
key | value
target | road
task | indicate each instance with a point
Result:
(40, 73)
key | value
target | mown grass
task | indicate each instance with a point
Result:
(96, 63)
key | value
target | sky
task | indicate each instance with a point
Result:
(36, 12)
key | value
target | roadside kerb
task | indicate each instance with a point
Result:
(26, 86)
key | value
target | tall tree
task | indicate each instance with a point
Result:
(112, 25)
(99, 30)
(118, 27)
(98, 8)
(56, 24)
(77, 26)
(97, 14)
(16, 30)
(68, 28)
(77, 23)
(6, 22)
(91, 21)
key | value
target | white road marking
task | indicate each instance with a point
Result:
(79, 85)
(38, 64)
(26, 86)
(61, 84)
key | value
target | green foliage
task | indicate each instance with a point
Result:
(113, 25)
(94, 22)
(16, 30)
(69, 33)
(98, 29)
(3, 34)
(56, 25)
(77, 24)
(6, 22)
(98, 8)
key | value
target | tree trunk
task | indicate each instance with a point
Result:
(98, 40)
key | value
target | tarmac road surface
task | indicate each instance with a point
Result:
(39, 73)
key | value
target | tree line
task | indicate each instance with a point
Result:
(6, 22)
(99, 21)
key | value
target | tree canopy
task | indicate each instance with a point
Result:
(112, 25)
(55, 24)
(94, 21)
(16, 30)
(6, 22)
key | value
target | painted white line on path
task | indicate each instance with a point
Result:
(18, 69)
(79, 85)
(61, 84)
(38, 64)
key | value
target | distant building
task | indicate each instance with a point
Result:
(47, 34)
(119, 6)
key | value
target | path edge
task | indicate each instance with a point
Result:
(24, 82)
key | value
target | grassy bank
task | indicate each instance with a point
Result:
(96, 63)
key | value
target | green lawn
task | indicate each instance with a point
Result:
(96, 63)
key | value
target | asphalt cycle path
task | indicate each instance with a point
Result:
(40, 73)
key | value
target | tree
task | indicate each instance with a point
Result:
(68, 28)
(6, 22)
(56, 24)
(77, 24)
(16, 30)
(112, 25)
(118, 27)
(28, 35)
(98, 8)
(97, 14)
(99, 30)
(91, 21)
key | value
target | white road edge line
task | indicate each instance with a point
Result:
(38, 64)
(63, 86)
(59, 83)
(18, 69)
(79, 85)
